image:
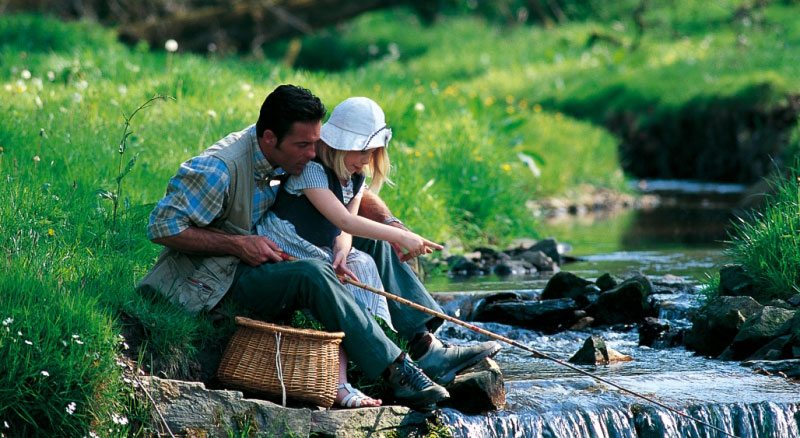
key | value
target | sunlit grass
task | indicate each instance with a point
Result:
(483, 118)
(768, 243)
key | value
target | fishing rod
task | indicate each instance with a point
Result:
(510, 341)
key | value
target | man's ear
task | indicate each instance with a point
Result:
(269, 138)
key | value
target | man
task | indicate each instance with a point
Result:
(206, 222)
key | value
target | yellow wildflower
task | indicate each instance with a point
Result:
(479, 158)
(559, 116)
(430, 154)
(417, 154)
(523, 103)
(506, 167)
(51, 232)
(509, 99)
(489, 101)
(510, 109)
(537, 108)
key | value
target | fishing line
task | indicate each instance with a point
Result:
(501, 338)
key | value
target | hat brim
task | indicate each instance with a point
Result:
(345, 140)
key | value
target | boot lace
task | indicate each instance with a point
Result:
(414, 376)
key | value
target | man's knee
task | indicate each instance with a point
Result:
(316, 272)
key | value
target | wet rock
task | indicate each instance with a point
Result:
(540, 260)
(627, 303)
(478, 389)
(549, 316)
(651, 329)
(550, 248)
(514, 267)
(715, 325)
(766, 325)
(788, 367)
(567, 285)
(472, 307)
(774, 350)
(582, 323)
(736, 280)
(794, 301)
(606, 282)
(462, 266)
(595, 352)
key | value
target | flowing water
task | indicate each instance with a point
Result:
(682, 238)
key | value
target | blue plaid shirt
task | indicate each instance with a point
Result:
(197, 194)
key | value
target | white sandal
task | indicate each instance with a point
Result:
(354, 397)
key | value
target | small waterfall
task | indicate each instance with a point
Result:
(756, 420)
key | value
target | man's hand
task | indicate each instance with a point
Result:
(253, 250)
(256, 250)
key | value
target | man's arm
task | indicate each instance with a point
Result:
(253, 250)
(194, 199)
(373, 207)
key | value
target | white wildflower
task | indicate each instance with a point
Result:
(77, 97)
(37, 82)
(19, 333)
(28, 342)
(8, 321)
(82, 84)
(212, 114)
(6, 425)
(8, 87)
(79, 342)
(419, 107)
(45, 373)
(71, 408)
(64, 342)
(76, 336)
(119, 419)
(122, 90)
(125, 346)
(171, 45)
(51, 76)
(26, 74)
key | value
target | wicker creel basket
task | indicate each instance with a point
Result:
(260, 355)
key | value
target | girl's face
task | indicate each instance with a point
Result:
(354, 161)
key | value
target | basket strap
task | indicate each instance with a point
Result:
(279, 367)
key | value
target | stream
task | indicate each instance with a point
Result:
(680, 237)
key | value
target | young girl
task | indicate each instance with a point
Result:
(315, 213)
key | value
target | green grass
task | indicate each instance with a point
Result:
(464, 98)
(767, 244)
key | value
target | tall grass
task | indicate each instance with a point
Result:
(767, 244)
(483, 119)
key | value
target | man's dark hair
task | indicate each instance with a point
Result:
(284, 106)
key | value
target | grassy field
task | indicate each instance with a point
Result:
(484, 118)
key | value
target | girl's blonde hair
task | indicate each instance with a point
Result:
(377, 170)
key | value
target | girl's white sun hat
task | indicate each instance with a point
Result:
(356, 124)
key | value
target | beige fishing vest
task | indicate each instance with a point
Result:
(199, 282)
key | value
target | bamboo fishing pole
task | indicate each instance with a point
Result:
(510, 341)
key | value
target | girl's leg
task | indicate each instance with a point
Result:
(364, 267)
(346, 395)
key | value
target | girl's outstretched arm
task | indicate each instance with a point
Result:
(326, 203)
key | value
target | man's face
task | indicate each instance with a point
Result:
(296, 148)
